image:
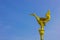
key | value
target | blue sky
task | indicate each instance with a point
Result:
(17, 24)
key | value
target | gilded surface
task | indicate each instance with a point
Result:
(42, 22)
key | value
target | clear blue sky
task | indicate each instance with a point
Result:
(17, 24)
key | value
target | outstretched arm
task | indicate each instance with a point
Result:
(37, 17)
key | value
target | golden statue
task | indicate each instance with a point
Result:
(42, 22)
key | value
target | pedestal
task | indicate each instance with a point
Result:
(41, 32)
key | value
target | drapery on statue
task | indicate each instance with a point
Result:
(42, 22)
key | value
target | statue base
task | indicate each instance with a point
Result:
(41, 32)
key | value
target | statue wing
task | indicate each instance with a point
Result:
(48, 15)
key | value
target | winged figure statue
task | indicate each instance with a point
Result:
(42, 21)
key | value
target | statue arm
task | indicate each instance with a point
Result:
(37, 17)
